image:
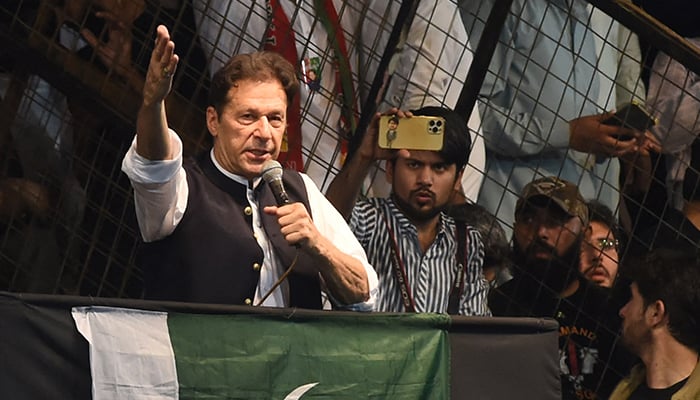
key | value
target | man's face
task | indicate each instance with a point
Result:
(636, 330)
(250, 127)
(392, 125)
(422, 183)
(599, 256)
(547, 243)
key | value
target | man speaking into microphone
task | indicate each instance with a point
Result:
(215, 230)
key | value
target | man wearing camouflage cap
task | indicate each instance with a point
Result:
(551, 220)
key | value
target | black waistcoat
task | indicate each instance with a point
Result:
(212, 256)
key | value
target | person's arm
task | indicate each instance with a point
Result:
(152, 137)
(154, 161)
(629, 86)
(339, 257)
(435, 60)
(345, 187)
(474, 300)
(522, 112)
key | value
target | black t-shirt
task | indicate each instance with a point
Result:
(644, 392)
(591, 359)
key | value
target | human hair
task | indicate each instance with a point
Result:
(457, 141)
(672, 275)
(260, 65)
(394, 119)
(496, 246)
(599, 212)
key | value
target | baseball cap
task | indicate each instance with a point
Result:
(561, 192)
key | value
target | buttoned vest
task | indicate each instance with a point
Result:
(213, 257)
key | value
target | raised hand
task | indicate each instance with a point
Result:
(162, 66)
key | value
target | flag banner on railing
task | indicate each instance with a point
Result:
(158, 355)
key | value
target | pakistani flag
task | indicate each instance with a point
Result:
(137, 354)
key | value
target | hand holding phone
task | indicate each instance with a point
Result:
(634, 116)
(413, 133)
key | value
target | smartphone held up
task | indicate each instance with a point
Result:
(412, 133)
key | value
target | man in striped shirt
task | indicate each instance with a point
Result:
(425, 262)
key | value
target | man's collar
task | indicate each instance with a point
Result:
(237, 178)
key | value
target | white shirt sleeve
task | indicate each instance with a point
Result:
(334, 227)
(160, 191)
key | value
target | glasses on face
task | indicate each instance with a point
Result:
(606, 244)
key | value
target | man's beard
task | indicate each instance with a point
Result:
(414, 214)
(556, 273)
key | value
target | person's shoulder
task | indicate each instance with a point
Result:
(503, 299)
(375, 205)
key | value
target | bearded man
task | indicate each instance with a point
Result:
(551, 222)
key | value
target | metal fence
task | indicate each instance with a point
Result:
(68, 112)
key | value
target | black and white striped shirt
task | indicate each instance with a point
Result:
(430, 275)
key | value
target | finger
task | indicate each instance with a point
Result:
(650, 138)
(90, 38)
(106, 15)
(651, 146)
(391, 111)
(622, 147)
(404, 114)
(606, 115)
(628, 133)
(270, 210)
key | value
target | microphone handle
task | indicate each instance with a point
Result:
(282, 198)
(278, 191)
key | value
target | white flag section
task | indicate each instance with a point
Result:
(131, 356)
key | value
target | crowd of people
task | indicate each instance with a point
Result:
(518, 214)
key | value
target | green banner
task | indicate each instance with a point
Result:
(329, 357)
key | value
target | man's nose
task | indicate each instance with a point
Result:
(425, 176)
(543, 230)
(263, 129)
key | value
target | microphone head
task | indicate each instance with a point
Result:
(271, 170)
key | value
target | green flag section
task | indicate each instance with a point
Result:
(241, 356)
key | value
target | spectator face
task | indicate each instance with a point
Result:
(547, 244)
(250, 127)
(636, 331)
(545, 232)
(599, 258)
(422, 184)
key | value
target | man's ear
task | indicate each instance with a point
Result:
(457, 187)
(656, 313)
(212, 121)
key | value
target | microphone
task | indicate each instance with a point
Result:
(272, 174)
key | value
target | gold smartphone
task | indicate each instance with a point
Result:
(414, 133)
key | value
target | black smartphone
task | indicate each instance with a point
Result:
(632, 115)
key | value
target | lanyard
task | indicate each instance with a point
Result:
(400, 271)
(402, 278)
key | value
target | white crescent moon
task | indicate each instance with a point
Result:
(298, 392)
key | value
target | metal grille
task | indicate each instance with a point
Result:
(68, 114)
